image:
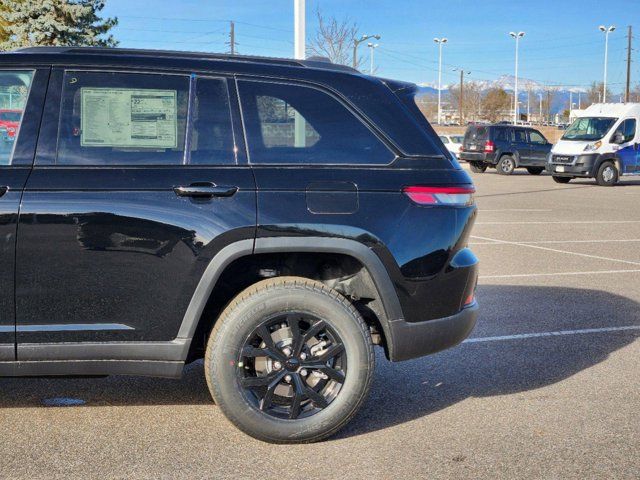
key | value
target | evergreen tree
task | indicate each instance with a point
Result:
(54, 22)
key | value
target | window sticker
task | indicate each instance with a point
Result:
(126, 117)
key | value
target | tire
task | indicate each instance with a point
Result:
(477, 167)
(561, 179)
(535, 170)
(266, 412)
(506, 165)
(607, 175)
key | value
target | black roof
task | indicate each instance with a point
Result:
(313, 62)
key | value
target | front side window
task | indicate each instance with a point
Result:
(537, 138)
(109, 118)
(589, 128)
(292, 124)
(627, 129)
(14, 91)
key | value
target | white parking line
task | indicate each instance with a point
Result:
(589, 222)
(546, 242)
(551, 334)
(524, 275)
(566, 252)
(515, 210)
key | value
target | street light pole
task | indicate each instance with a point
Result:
(517, 36)
(440, 42)
(357, 42)
(372, 47)
(540, 119)
(606, 31)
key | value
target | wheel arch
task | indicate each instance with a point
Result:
(369, 260)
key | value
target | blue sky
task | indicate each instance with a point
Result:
(562, 46)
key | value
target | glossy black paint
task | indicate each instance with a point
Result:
(117, 252)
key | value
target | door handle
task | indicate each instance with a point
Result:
(3, 190)
(205, 190)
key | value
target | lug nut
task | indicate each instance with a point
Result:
(286, 351)
(287, 378)
(303, 356)
(277, 365)
(303, 372)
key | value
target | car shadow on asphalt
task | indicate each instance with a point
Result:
(405, 391)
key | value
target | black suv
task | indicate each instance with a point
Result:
(505, 147)
(277, 217)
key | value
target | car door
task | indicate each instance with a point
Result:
(118, 223)
(521, 145)
(21, 89)
(627, 151)
(539, 147)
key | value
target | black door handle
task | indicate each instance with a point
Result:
(205, 190)
(3, 190)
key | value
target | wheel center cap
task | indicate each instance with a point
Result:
(292, 364)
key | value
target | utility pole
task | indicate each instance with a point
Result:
(606, 31)
(440, 42)
(232, 37)
(627, 91)
(517, 37)
(461, 96)
(299, 48)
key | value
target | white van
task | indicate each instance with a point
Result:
(603, 142)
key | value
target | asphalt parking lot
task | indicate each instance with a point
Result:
(547, 387)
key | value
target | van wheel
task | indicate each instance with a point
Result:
(477, 167)
(607, 175)
(535, 170)
(506, 165)
(561, 179)
(290, 360)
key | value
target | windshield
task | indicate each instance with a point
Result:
(589, 128)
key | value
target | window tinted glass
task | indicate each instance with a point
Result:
(627, 129)
(536, 137)
(212, 134)
(519, 136)
(501, 135)
(444, 139)
(14, 89)
(122, 119)
(295, 124)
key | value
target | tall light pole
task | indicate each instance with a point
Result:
(517, 36)
(299, 47)
(440, 42)
(461, 94)
(606, 31)
(372, 47)
(541, 118)
(358, 41)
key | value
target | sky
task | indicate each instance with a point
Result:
(562, 44)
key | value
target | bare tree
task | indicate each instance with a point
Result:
(634, 95)
(334, 39)
(495, 103)
(471, 99)
(594, 94)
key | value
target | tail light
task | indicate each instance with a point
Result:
(450, 196)
(470, 300)
(489, 147)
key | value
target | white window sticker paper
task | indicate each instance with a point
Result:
(125, 117)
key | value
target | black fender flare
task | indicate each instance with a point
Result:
(606, 157)
(242, 248)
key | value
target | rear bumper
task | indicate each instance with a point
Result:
(416, 339)
(468, 156)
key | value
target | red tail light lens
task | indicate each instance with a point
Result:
(489, 147)
(451, 196)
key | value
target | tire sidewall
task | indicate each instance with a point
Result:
(600, 176)
(503, 161)
(241, 322)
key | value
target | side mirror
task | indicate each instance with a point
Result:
(617, 138)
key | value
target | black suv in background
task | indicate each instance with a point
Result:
(277, 217)
(505, 147)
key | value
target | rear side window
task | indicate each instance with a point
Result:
(501, 135)
(14, 90)
(109, 118)
(294, 124)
